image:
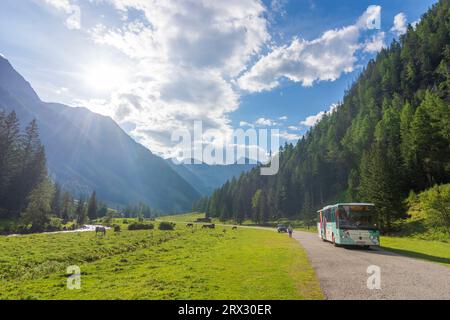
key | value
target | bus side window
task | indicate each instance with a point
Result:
(329, 216)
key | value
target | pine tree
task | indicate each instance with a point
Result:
(430, 136)
(67, 203)
(256, 206)
(56, 201)
(92, 206)
(81, 211)
(39, 205)
(32, 166)
(9, 151)
(379, 185)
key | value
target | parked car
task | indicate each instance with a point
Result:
(282, 228)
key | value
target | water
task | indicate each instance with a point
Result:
(85, 228)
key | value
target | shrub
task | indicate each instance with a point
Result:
(436, 204)
(116, 228)
(125, 221)
(54, 224)
(140, 226)
(164, 225)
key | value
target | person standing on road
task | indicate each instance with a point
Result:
(290, 230)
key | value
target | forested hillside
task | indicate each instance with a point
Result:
(390, 135)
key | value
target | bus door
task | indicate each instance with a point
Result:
(321, 224)
(324, 224)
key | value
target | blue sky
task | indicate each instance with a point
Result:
(157, 66)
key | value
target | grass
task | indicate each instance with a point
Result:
(435, 251)
(193, 216)
(185, 217)
(187, 263)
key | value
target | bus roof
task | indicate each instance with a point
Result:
(347, 204)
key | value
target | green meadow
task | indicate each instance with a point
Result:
(186, 263)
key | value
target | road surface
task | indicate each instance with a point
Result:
(343, 272)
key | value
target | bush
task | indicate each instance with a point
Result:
(116, 228)
(436, 204)
(166, 225)
(125, 221)
(54, 224)
(140, 226)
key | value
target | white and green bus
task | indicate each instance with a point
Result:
(349, 224)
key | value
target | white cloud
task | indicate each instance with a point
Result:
(376, 43)
(279, 6)
(62, 90)
(306, 62)
(73, 11)
(245, 124)
(59, 4)
(265, 122)
(400, 24)
(283, 134)
(186, 56)
(314, 119)
(283, 118)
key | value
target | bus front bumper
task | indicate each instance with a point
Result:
(359, 237)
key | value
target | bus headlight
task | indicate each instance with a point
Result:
(374, 239)
(346, 234)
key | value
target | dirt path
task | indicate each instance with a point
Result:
(343, 272)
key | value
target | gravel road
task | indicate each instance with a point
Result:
(343, 272)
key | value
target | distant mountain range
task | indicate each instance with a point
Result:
(87, 151)
(206, 178)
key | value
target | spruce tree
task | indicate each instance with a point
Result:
(38, 210)
(92, 206)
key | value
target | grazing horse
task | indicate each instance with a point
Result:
(234, 228)
(101, 230)
(210, 226)
(190, 225)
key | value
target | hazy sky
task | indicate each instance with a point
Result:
(156, 66)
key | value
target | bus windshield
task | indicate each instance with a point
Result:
(357, 217)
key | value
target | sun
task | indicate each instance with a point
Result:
(104, 77)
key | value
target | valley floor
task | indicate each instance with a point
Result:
(416, 247)
(188, 263)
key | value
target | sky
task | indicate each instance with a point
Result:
(157, 67)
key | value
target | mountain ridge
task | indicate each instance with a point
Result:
(87, 151)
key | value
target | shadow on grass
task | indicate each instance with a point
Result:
(419, 255)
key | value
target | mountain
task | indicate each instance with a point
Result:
(390, 135)
(206, 178)
(86, 151)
